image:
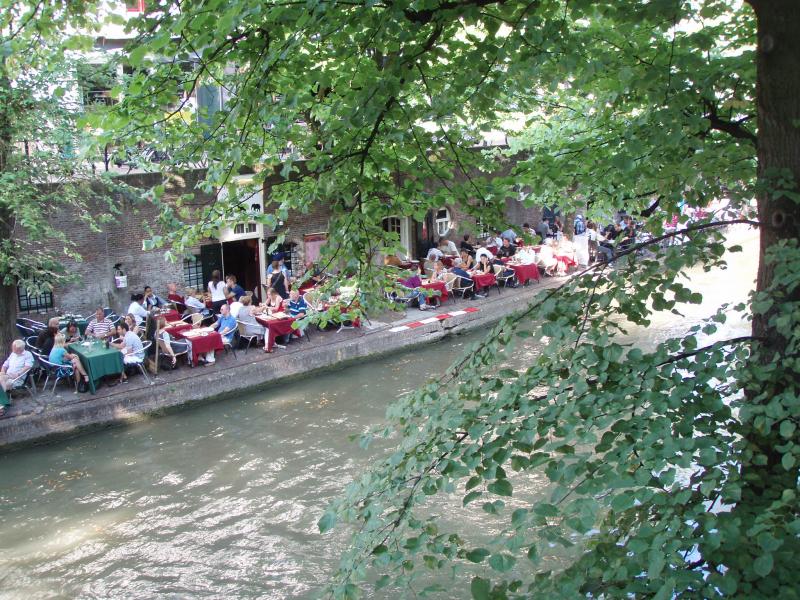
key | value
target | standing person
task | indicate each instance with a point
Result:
(235, 291)
(217, 289)
(17, 364)
(543, 229)
(69, 364)
(136, 309)
(101, 326)
(278, 280)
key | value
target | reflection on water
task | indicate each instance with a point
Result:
(223, 500)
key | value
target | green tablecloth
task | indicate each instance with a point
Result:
(98, 361)
(4, 401)
(81, 323)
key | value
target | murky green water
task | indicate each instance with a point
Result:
(222, 500)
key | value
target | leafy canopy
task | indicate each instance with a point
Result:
(375, 109)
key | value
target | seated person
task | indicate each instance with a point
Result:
(45, 339)
(483, 251)
(606, 246)
(439, 272)
(297, 306)
(226, 324)
(247, 316)
(510, 235)
(496, 239)
(136, 309)
(484, 266)
(506, 250)
(100, 327)
(235, 291)
(177, 299)
(467, 262)
(235, 307)
(466, 245)
(434, 254)
(465, 280)
(273, 301)
(413, 283)
(151, 300)
(546, 258)
(72, 333)
(19, 362)
(167, 344)
(447, 247)
(133, 326)
(195, 302)
(131, 347)
(525, 256)
(315, 273)
(69, 364)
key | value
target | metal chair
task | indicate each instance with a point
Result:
(179, 348)
(499, 271)
(59, 372)
(30, 344)
(140, 364)
(250, 337)
(25, 331)
(231, 345)
(36, 326)
(24, 381)
(457, 286)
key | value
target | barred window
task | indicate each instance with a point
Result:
(27, 303)
(193, 273)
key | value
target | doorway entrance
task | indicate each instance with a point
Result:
(241, 259)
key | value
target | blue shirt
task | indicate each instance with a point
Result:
(57, 356)
(461, 273)
(237, 290)
(297, 306)
(227, 323)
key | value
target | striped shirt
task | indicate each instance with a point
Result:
(99, 329)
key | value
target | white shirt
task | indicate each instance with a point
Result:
(16, 363)
(435, 254)
(235, 308)
(525, 256)
(480, 252)
(138, 311)
(218, 292)
(451, 248)
(193, 302)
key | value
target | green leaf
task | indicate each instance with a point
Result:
(326, 522)
(480, 588)
(502, 562)
(763, 565)
(477, 555)
(501, 487)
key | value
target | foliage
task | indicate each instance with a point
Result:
(676, 468)
(42, 171)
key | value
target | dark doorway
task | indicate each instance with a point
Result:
(241, 259)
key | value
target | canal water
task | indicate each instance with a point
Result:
(222, 500)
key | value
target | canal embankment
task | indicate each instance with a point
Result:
(50, 416)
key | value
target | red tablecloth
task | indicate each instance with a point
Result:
(566, 260)
(171, 315)
(276, 327)
(484, 280)
(411, 265)
(525, 272)
(447, 261)
(175, 328)
(437, 285)
(202, 341)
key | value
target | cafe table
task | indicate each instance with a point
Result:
(524, 273)
(81, 323)
(484, 280)
(277, 324)
(204, 339)
(567, 261)
(438, 286)
(97, 360)
(175, 327)
(171, 315)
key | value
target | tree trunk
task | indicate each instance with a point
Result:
(778, 103)
(8, 293)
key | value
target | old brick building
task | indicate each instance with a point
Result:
(117, 248)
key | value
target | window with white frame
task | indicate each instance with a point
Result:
(442, 221)
(392, 225)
